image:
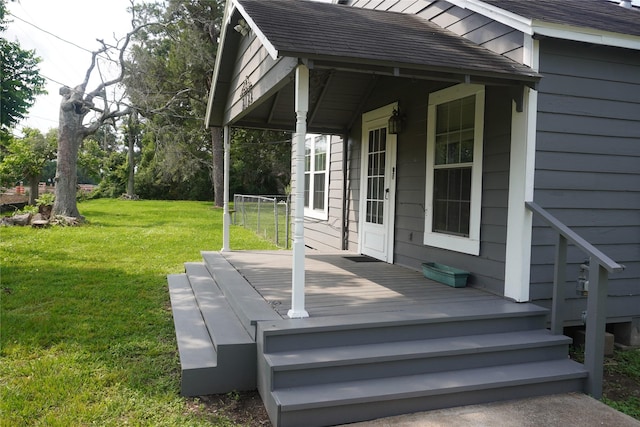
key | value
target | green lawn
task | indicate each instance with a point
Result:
(87, 333)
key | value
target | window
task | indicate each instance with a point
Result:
(316, 176)
(455, 126)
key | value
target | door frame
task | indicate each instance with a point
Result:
(376, 119)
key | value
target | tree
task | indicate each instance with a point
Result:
(260, 161)
(171, 67)
(133, 140)
(26, 159)
(21, 80)
(76, 104)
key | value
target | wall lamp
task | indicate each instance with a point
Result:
(242, 27)
(395, 122)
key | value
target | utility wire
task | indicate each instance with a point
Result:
(48, 32)
(58, 37)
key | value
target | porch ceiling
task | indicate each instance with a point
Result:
(347, 49)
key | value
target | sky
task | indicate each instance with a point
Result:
(80, 22)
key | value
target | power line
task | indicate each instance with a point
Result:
(48, 32)
(60, 38)
(52, 80)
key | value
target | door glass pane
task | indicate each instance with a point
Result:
(375, 176)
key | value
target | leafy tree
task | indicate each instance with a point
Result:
(171, 67)
(26, 158)
(260, 162)
(21, 80)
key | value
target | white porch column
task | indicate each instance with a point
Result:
(226, 216)
(521, 185)
(302, 106)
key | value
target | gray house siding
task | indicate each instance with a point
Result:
(488, 268)
(588, 165)
(479, 29)
(327, 235)
(255, 75)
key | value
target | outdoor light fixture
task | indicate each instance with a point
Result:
(395, 122)
(242, 27)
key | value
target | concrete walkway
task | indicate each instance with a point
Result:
(562, 410)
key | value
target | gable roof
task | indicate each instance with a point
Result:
(322, 31)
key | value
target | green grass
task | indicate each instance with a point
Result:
(261, 218)
(86, 328)
(623, 376)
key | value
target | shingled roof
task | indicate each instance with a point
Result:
(601, 15)
(305, 29)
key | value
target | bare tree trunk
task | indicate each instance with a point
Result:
(34, 181)
(70, 136)
(133, 122)
(217, 143)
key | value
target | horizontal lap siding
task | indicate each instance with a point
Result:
(256, 71)
(481, 30)
(327, 235)
(588, 163)
(488, 268)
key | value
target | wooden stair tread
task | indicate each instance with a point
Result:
(194, 342)
(220, 319)
(368, 353)
(422, 385)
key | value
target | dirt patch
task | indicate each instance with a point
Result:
(242, 408)
(6, 199)
(616, 385)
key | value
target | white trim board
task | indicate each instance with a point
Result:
(536, 27)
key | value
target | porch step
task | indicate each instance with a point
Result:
(352, 363)
(249, 306)
(326, 371)
(217, 355)
(350, 401)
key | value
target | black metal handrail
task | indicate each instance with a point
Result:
(600, 265)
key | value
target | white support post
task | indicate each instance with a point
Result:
(226, 216)
(302, 107)
(519, 218)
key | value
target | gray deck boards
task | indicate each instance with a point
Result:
(335, 285)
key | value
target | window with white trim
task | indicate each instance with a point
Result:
(455, 126)
(316, 176)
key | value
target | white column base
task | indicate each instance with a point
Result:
(301, 314)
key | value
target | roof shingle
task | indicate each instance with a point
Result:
(330, 31)
(601, 15)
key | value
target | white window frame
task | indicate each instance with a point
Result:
(321, 214)
(471, 244)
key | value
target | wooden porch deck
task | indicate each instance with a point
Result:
(342, 284)
(381, 339)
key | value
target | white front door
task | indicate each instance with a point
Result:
(378, 188)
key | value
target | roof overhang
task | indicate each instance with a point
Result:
(535, 26)
(335, 40)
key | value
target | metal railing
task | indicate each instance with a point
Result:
(268, 216)
(600, 265)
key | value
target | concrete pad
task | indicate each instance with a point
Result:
(561, 410)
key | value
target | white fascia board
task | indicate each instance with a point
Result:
(273, 52)
(228, 12)
(565, 32)
(586, 35)
(505, 17)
